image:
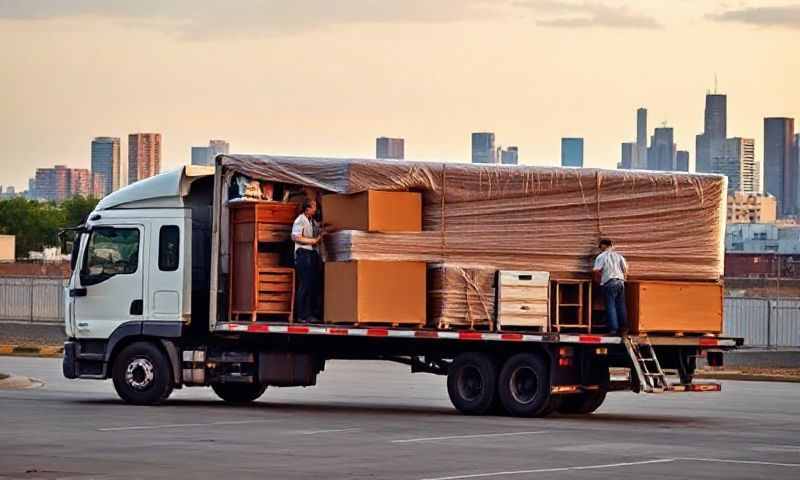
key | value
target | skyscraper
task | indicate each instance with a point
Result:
(682, 161)
(390, 148)
(780, 165)
(144, 156)
(106, 162)
(628, 153)
(710, 143)
(510, 156)
(572, 152)
(639, 160)
(661, 154)
(737, 161)
(483, 150)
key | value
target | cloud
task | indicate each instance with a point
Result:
(787, 16)
(560, 13)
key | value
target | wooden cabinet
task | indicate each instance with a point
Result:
(523, 300)
(688, 307)
(260, 287)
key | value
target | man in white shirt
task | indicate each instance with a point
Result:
(307, 264)
(610, 270)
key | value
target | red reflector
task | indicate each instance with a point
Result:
(511, 336)
(590, 339)
(705, 387)
(297, 329)
(426, 334)
(564, 362)
(469, 336)
(377, 332)
(338, 331)
(709, 342)
(258, 328)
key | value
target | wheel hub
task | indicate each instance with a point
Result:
(524, 385)
(139, 374)
(470, 383)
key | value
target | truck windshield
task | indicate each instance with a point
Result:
(111, 251)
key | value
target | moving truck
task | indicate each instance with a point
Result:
(146, 309)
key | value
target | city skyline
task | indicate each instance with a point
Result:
(290, 107)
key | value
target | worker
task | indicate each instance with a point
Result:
(306, 235)
(610, 271)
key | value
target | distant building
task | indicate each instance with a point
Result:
(390, 148)
(60, 183)
(751, 208)
(682, 161)
(207, 155)
(780, 164)
(106, 162)
(200, 156)
(144, 156)
(737, 161)
(572, 152)
(661, 155)
(709, 144)
(639, 157)
(483, 150)
(627, 155)
(762, 238)
(509, 156)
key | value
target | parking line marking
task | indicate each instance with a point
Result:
(479, 435)
(555, 469)
(745, 462)
(333, 430)
(181, 425)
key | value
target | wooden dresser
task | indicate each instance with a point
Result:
(261, 288)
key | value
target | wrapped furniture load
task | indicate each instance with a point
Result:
(669, 226)
(461, 297)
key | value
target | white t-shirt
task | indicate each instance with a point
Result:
(305, 227)
(612, 264)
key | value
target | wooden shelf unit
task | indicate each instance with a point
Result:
(571, 304)
(260, 287)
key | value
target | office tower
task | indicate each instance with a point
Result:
(639, 159)
(572, 152)
(710, 143)
(682, 161)
(509, 156)
(106, 162)
(483, 150)
(31, 188)
(144, 156)
(628, 152)
(60, 183)
(661, 154)
(390, 148)
(200, 156)
(780, 166)
(737, 161)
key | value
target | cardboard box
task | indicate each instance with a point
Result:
(391, 293)
(374, 211)
(691, 307)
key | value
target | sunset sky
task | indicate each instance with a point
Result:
(324, 77)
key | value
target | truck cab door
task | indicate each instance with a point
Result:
(109, 280)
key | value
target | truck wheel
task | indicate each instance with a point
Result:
(142, 374)
(238, 392)
(581, 403)
(524, 386)
(472, 383)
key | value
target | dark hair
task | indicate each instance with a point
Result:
(307, 203)
(606, 242)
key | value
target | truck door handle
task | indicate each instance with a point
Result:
(137, 307)
(77, 292)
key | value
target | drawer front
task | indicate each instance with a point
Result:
(269, 259)
(522, 308)
(274, 307)
(522, 321)
(531, 293)
(517, 278)
(274, 297)
(276, 212)
(274, 232)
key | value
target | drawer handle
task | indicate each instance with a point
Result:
(526, 277)
(524, 307)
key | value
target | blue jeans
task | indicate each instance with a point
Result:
(308, 269)
(616, 313)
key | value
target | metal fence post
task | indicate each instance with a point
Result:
(770, 306)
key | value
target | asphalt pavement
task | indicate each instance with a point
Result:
(370, 420)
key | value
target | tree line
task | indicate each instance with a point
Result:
(36, 224)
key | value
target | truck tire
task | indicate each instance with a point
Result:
(524, 386)
(472, 383)
(142, 374)
(581, 403)
(239, 392)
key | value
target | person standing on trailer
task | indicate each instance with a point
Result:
(611, 270)
(306, 235)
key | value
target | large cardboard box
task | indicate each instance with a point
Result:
(690, 307)
(391, 293)
(374, 211)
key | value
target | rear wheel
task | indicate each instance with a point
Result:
(472, 383)
(142, 374)
(524, 386)
(581, 403)
(239, 392)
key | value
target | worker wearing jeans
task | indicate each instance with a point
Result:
(611, 269)
(307, 264)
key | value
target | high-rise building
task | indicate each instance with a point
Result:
(639, 160)
(60, 183)
(207, 155)
(483, 150)
(710, 143)
(390, 148)
(737, 161)
(509, 156)
(106, 162)
(572, 152)
(144, 156)
(200, 156)
(682, 161)
(780, 165)
(661, 154)
(627, 155)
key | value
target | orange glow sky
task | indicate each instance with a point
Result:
(316, 77)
